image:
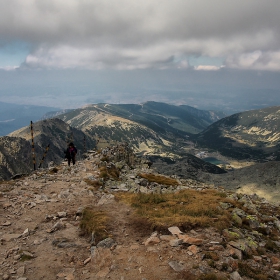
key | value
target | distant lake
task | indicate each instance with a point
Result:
(214, 160)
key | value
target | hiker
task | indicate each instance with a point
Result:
(70, 153)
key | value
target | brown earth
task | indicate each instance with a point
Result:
(39, 242)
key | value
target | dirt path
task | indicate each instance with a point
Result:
(40, 234)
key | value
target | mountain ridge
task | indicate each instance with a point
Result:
(150, 127)
(250, 134)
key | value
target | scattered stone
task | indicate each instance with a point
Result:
(21, 271)
(152, 240)
(175, 242)
(27, 254)
(166, 237)
(194, 249)
(235, 276)
(190, 240)
(174, 230)
(177, 266)
(61, 214)
(106, 199)
(106, 243)
(58, 226)
(80, 210)
(67, 273)
(87, 260)
(17, 257)
(6, 224)
(26, 232)
(103, 273)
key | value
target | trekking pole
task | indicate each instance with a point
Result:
(69, 137)
(84, 144)
(33, 147)
(42, 160)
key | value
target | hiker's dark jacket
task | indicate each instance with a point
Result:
(70, 152)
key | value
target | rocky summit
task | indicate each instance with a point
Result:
(40, 233)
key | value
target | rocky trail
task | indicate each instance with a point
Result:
(41, 237)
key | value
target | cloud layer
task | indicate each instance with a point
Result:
(160, 34)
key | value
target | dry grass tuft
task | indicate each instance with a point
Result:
(245, 270)
(159, 179)
(105, 158)
(106, 173)
(94, 222)
(113, 172)
(141, 225)
(188, 208)
(94, 183)
(103, 173)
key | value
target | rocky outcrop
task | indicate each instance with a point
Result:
(15, 157)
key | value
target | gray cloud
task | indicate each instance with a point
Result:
(125, 34)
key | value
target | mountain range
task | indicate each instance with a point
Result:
(153, 130)
(150, 128)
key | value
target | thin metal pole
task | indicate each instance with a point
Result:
(33, 147)
(84, 144)
(42, 160)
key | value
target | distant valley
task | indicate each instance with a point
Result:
(176, 139)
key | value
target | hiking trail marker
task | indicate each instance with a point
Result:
(33, 147)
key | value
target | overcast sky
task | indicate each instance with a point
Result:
(195, 52)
